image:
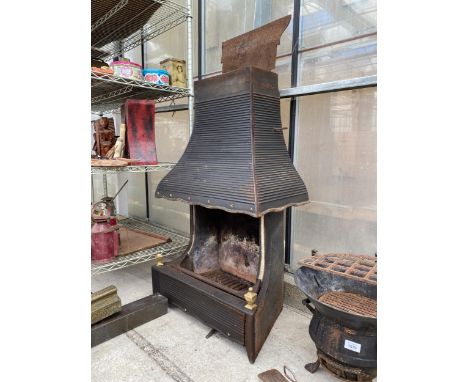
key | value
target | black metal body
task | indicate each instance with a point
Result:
(329, 336)
(315, 283)
(218, 309)
(331, 328)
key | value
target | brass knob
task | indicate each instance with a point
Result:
(159, 260)
(250, 297)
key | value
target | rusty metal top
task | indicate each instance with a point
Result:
(255, 48)
(356, 267)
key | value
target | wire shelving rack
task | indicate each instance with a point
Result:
(146, 18)
(177, 245)
(108, 92)
(117, 170)
(118, 27)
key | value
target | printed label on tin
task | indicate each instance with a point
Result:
(353, 346)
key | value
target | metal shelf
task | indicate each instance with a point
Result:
(108, 92)
(132, 22)
(177, 245)
(115, 170)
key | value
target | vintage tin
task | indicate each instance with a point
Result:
(156, 76)
(127, 69)
(177, 71)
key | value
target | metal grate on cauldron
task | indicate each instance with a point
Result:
(351, 303)
(356, 267)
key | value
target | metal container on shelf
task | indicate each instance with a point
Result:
(177, 71)
(156, 76)
(104, 241)
(104, 234)
(127, 69)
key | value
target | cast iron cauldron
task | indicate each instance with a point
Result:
(346, 342)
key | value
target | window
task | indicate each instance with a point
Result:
(226, 19)
(336, 156)
(338, 40)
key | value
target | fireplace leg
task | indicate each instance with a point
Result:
(250, 337)
(312, 367)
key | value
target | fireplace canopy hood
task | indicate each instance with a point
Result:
(236, 159)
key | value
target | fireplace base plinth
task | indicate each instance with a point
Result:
(216, 308)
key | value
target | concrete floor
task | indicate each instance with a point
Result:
(174, 348)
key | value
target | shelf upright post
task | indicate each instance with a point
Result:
(104, 184)
(189, 64)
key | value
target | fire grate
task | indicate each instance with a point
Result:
(351, 303)
(228, 280)
(357, 267)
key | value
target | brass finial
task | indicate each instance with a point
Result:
(159, 260)
(250, 297)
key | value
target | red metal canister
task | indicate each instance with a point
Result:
(104, 241)
(113, 223)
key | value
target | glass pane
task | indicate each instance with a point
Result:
(338, 62)
(134, 55)
(276, 9)
(283, 69)
(336, 157)
(285, 108)
(114, 182)
(194, 34)
(98, 186)
(323, 22)
(136, 195)
(195, 38)
(169, 44)
(172, 135)
(173, 43)
(226, 19)
(175, 215)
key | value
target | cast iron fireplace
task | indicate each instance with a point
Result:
(237, 176)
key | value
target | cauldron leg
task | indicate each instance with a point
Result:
(312, 367)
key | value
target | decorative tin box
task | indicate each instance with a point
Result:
(176, 69)
(127, 69)
(156, 76)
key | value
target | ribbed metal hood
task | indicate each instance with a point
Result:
(236, 159)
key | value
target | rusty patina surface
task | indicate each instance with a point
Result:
(351, 303)
(346, 372)
(226, 243)
(255, 48)
(357, 267)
